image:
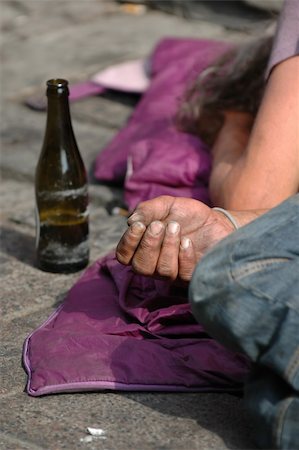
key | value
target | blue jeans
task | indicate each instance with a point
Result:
(245, 292)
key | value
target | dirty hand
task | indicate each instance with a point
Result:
(168, 235)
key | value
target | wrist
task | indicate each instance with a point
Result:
(216, 228)
(219, 225)
(238, 219)
(228, 216)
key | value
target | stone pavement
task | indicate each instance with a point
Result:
(75, 39)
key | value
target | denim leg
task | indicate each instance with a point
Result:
(245, 292)
(274, 408)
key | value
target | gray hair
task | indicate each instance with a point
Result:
(235, 81)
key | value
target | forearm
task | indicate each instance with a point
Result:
(227, 150)
(267, 172)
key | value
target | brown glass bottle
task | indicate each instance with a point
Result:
(61, 190)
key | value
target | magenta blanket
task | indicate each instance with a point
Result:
(151, 142)
(118, 330)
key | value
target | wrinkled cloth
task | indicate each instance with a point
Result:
(118, 330)
(146, 153)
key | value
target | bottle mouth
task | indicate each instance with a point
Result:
(57, 83)
(57, 86)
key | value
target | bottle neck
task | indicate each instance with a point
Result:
(58, 118)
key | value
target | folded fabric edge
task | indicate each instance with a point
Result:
(115, 386)
(25, 358)
(102, 385)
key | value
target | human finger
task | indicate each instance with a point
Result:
(167, 266)
(147, 254)
(187, 259)
(129, 242)
(152, 210)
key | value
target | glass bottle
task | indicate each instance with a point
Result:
(61, 190)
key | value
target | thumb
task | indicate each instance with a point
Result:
(187, 259)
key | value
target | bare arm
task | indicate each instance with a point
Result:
(267, 172)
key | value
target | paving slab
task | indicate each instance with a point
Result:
(75, 39)
(129, 421)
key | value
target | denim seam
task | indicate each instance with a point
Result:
(231, 273)
(293, 366)
(255, 266)
(258, 293)
(254, 291)
(287, 220)
(279, 422)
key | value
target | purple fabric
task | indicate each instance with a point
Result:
(117, 330)
(77, 92)
(85, 89)
(151, 141)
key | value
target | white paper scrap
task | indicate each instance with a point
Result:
(86, 439)
(96, 431)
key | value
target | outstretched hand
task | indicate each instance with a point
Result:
(168, 235)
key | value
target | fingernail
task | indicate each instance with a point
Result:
(137, 227)
(156, 227)
(173, 227)
(135, 217)
(185, 243)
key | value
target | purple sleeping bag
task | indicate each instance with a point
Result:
(119, 330)
(151, 142)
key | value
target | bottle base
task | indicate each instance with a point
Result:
(62, 268)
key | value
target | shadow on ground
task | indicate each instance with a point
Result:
(215, 412)
(18, 245)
